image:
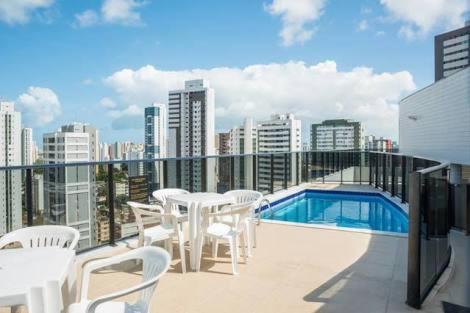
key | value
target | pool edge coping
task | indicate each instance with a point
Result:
(295, 191)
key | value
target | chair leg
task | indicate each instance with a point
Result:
(233, 254)
(253, 234)
(182, 254)
(200, 244)
(215, 245)
(169, 247)
(244, 243)
(248, 238)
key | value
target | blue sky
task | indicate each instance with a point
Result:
(61, 65)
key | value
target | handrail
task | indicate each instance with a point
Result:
(261, 206)
(95, 163)
(431, 169)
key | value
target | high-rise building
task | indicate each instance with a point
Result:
(372, 143)
(451, 51)
(155, 145)
(337, 134)
(116, 151)
(104, 153)
(191, 133)
(27, 146)
(222, 143)
(135, 168)
(243, 139)
(70, 192)
(10, 181)
(282, 133)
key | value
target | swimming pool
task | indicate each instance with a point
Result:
(340, 209)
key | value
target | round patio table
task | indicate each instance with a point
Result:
(195, 202)
(34, 277)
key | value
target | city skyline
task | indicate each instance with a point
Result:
(149, 60)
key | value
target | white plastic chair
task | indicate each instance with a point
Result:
(156, 262)
(221, 231)
(166, 230)
(254, 200)
(161, 197)
(42, 236)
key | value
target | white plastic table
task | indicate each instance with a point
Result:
(195, 202)
(28, 277)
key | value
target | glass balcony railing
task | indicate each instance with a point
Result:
(92, 197)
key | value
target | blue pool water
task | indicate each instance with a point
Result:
(340, 209)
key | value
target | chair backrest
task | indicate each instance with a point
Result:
(43, 236)
(155, 263)
(239, 212)
(161, 194)
(247, 196)
(146, 214)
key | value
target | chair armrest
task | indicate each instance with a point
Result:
(109, 297)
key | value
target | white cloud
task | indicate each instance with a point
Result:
(313, 92)
(86, 19)
(19, 11)
(421, 17)
(295, 16)
(122, 11)
(362, 26)
(107, 103)
(39, 106)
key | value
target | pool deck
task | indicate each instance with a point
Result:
(293, 269)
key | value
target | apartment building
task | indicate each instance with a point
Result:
(191, 132)
(10, 181)
(155, 143)
(70, 193)
(27, 146)
(372, 143)
(338, 134)
(282, 133)
(451, 51)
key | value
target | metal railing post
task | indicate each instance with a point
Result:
(165, 174)
(369, 157)
(29, 196)
(392, 189)
(403, 179)
(112, 235)
(384, 172)
(284, 185)
(360, 166)
(323, 166)
(272, 174)
(297, 170)
(254, 172)
(340, 165)
(232, 173)
(414, 243)
(376, 157)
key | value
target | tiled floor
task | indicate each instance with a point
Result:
(294, 269)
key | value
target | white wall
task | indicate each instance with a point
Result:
(435, 121)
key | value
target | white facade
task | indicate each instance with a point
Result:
(337, 135)
(282, 133)
(435, 121)
(104, 152)
(155, 143)
(27, 146)
(135, 168)
(70, 192)
(243, 139)
(10, 182)
(191, 124)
